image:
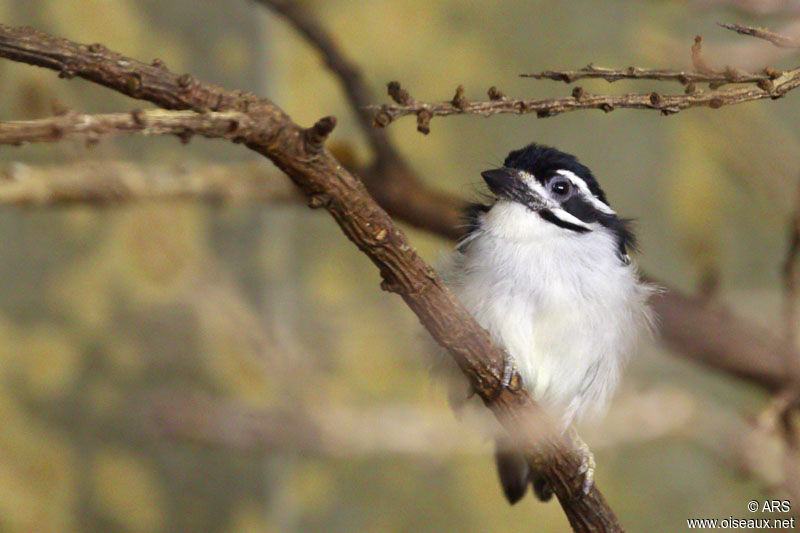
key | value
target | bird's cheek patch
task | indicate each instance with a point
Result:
(561, 218)
(569, 218)
(578, 207)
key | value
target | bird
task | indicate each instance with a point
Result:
(544, 266)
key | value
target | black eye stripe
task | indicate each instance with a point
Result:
(578, 207)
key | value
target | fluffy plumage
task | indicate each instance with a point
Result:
(544, 268)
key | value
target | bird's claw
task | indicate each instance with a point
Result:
(586, 471)
(587, 466)
(509, 371)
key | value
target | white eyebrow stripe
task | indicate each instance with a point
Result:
(530, 181)
(584, 188)
(536, 187)
(567, 217)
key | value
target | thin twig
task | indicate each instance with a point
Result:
(769, 84)
(666, 104)
(781, 41)
(684, 77)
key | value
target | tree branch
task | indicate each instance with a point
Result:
(300, 154)
(666, 104)
(103, 182)
(227, 125)
(781, 41)
(684, 77)
(769, 84)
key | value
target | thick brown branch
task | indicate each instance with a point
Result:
(666, 104)
(328, 184)
(229, 125)
(684, 77)
(150, 82)
(781, 41)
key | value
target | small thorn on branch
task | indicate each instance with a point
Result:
(698, 62)
(390, 286)
(495, 93)
(319, 200)
(656, 99)
(185, 81)
(772, 73)
(382, 117)
(133, 84)
(458, 101)
(398, 94)
(316, 135)
(424, 121)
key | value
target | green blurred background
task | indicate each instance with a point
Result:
(150, 353)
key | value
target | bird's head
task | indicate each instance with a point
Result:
(555, 188)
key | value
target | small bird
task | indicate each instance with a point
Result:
(544, 267)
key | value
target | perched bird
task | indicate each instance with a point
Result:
(544, 267)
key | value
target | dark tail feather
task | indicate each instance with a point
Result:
(516, 475)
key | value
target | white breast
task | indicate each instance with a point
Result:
(561, 303)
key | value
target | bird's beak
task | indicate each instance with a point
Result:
(507, 185)
(500, 180)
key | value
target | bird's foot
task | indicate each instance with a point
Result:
(509, 372)
(587, 467)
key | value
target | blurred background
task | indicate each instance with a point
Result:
(233, 366)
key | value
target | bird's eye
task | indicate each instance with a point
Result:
(560, 188)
